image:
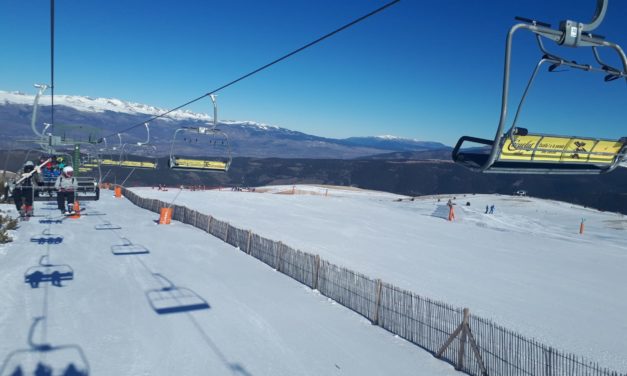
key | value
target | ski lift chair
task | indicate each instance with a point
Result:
(128, 248)
(45, 190)
(45, 359)
(200, 140)
(141, 155)
(173, 299)
(47, 272)
(519, 151)
(88, 163)
(212, 140)
(111, 156)
(88, 178)
(87, 190)
(138, 156)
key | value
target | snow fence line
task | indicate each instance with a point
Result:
(474, 345)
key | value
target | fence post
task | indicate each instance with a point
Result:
(250, 237)
(277, 256)
(226, 233)
(209, 224)
(316, 272)
(464, 329)
(462, 342)
(548, 368)
(377, 301)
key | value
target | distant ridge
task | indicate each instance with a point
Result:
(248, 138)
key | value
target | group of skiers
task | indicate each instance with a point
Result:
(489, 209)
(25, 186)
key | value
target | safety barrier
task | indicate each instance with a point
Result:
(486, 348)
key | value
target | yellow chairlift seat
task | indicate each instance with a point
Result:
(539, 153)
(109, 162)
(141, 155)
(516, 150)
(138, 164)
(198, 164)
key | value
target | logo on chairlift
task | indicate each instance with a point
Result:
(514, 146)
(579, 148)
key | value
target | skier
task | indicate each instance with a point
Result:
(487, 209)
(451, 211)
(23, 191)
(66, 185)
(492, 209)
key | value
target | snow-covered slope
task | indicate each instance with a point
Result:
(258, 322)
(526, 266)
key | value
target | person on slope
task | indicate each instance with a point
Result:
(23, 191)
(66, 185)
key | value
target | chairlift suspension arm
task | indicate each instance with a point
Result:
(42, 88)
(215, 109)
(147, 136)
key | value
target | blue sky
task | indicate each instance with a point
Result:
(429, 70)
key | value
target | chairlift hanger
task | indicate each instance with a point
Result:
(517, 150)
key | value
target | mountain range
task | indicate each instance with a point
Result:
(92, 118)
(265, 155)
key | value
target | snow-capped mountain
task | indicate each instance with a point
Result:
(248, 138)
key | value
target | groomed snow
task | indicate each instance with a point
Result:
(260, 322)
(526, 266)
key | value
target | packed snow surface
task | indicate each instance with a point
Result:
(526, 266)
(248, 319)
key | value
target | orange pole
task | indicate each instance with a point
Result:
(165, 216)
(581, 227)
(77, 209)
(118, 192)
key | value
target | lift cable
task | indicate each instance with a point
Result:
(260, 69)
